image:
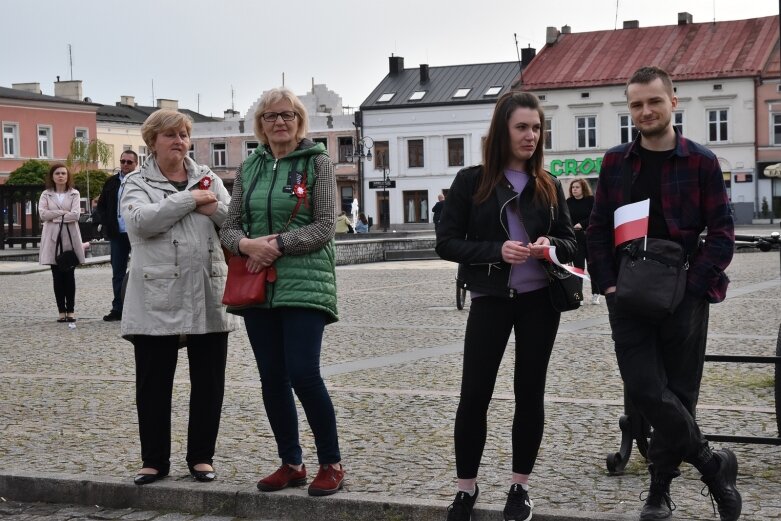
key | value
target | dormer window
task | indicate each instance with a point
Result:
(493, 91)
(386, 97)
(461, 93)
(417, 95)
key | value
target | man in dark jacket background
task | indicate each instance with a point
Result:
(113, 227)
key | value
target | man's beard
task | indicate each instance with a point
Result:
(657, 130)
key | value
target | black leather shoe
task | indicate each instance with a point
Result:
(203, 475)
(113, 316)
(145, 479)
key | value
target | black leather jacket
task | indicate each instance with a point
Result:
(472, 234)
(106, 212)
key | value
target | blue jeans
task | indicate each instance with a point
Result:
(120, 249)
(286, 343)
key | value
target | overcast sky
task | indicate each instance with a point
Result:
(201, 49)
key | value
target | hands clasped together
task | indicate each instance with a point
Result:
(514, 252)
(205, 201)
(260, 251)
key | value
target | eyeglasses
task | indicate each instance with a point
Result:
(126, 161)
(271, 117)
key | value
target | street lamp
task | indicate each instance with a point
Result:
(357, 153)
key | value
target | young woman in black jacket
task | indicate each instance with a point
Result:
(499, 220)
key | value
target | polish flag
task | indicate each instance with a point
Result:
(631, 221)
(550, 255)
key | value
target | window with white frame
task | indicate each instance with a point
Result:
(461, 93)
(142, 155)
(191, 151)
(82, 134)
(775, 129)
(678, 121)
(548, 134)
(717, 125)
(219, 151)
(417, 95)
(250, 147)
(10, 140)
(627, 132)
(455, 151)
(44, 141)
(587, 131)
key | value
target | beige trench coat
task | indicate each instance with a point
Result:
(177, 268)
(51, 212)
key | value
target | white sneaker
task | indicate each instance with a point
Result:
(595, 299)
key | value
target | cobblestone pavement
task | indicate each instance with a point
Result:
(59, 512)
(392, 365)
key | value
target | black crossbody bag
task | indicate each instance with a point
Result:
(66, 260)
(652, 272)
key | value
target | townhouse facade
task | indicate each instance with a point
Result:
(39, 126)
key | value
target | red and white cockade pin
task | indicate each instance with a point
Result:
(205, 183)
(300, 190)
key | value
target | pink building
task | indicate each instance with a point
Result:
(37, 126)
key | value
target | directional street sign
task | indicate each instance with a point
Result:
(382, 184)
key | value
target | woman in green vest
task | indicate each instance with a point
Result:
(282, 213)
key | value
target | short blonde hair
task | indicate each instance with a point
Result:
(278, 94)
(161, 120)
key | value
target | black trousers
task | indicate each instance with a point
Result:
(661, 365)
(156, 358)
(488, 328)
(64, 289)
(581, 254)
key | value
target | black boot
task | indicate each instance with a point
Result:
(658, 504)
(721, 485)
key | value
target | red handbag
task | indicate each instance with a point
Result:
(243, 288)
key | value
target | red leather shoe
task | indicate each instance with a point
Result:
(328, 481)
(285, 476)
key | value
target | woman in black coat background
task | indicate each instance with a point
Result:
(580, 202)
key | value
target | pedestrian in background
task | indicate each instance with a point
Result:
(661, 362)
(437, 209)
(59, 209)
(500, 219)
(282, 215)
(343, 223)
(112, 224)
(362, 224)
(172, 208)
(580, 202)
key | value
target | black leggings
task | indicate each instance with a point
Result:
(487, 331)
(64, 289)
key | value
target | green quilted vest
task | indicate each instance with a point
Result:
(304, 281)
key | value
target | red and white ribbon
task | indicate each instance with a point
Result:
(550, 255)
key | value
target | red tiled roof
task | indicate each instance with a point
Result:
(733, 49)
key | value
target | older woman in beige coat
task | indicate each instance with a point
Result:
(173, 208)
(59, 204)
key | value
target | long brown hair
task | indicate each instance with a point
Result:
(496, 151)
(49, 179)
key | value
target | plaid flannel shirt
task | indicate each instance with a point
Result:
(694, 199)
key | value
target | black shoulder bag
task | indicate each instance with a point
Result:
(66, 260)
(652, 272)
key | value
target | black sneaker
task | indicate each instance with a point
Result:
(721, 485)
(113, 316)
(518, 506)
(461, 507)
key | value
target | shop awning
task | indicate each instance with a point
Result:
(773, 170)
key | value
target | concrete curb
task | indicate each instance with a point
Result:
(24, 268)
(225, 500)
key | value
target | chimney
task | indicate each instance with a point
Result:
(167, 104)
(69, 89)
(551, 35)
(685, 18)
(527, 55)
(396, 65)
(130, 101)
(631, 24)
(424, 73)
(28, 87)
(566, 29)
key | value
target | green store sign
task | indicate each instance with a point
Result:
(571, 167)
